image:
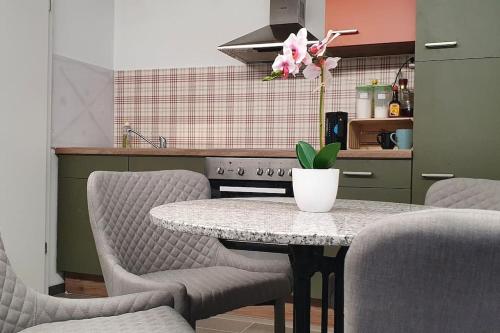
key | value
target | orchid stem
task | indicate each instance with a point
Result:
(322, 109)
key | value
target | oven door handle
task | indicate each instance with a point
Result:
(243, 189)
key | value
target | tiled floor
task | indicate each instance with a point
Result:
(227, 323)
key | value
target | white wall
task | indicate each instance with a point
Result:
(82, 89)
(165, 34)
(83, 30)
(24, 36)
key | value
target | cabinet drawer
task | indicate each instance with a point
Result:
(375, 194)
(76, 250)
(375, 173)
(151, 163)
(474, 25)
(81, 166)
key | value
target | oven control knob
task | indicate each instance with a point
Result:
(260, 171)
(240, 171)
(270, 172)
(220, 171)
(281, 172)
(290, 172)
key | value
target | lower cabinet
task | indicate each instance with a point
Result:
(384, 180)
(379, 180)
(148, 163)
(76, 251)
(376, 194)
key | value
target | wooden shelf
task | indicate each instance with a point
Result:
(362, 133)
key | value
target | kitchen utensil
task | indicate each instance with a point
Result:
(403, 138)
(384, 140)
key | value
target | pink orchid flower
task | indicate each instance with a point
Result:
(297, 44)
(312, 71)
(319, 49)
(285, 63)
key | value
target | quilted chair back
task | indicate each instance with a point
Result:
(465, 193)
(17, 301)
(119, 205)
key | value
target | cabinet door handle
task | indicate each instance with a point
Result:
(345, 32)
(357, 173)
(438, 175)
(441, 45)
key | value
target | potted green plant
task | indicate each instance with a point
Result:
(315, 185)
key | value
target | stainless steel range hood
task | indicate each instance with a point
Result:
(262, 45)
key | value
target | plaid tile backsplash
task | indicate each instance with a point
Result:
(231, 107)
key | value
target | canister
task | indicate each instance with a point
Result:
(364, 101)
(382, 95)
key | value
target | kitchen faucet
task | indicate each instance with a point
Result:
(162, 140)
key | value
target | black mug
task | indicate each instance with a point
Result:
(384, 140)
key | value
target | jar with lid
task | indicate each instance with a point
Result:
(405, 98)
(364, 101)
(382, 97)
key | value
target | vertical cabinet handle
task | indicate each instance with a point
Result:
(437, 175)
(441, 45)
(357, 173)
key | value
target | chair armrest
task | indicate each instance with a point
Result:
(51, 309)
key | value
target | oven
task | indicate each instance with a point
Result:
(250, 177)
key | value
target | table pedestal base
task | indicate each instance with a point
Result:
(307, 260)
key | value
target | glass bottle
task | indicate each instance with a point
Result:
(405, 99)
(126, 136)
(394, 105)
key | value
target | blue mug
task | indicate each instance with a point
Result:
(403, 138)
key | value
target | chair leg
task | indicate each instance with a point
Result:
(192, 322)
(279, 315)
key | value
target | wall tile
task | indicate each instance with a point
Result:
(82, 104)
(231, 107)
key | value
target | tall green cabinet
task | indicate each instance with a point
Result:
(457, 116)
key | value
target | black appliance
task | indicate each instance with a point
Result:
(336, 128)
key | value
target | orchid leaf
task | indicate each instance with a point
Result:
(327, 156)
(305, 154)
(273, 75)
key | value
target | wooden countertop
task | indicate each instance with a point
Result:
(348, 154)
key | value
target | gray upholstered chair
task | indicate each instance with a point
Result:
(429, 271)
(24, 309)
(465, 193)
(205, 278)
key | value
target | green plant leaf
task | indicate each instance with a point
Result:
(305, 154)
(273, 75)
(327, 156)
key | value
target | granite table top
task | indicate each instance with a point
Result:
(275, 220)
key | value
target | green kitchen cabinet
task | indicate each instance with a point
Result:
(457, 122)
(154, 163)
(374, 173)
(402, 195)
(76, 251)
(474, 25)
(81, 166)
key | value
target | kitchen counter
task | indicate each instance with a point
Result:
(344, 154)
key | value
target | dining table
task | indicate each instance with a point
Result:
(278, 221)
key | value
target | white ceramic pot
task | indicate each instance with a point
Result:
(315, 190)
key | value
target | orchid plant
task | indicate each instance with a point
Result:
(296, 55)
